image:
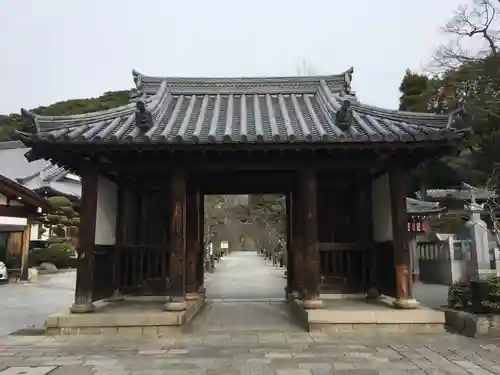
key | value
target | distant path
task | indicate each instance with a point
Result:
(245, 275)
(245, 293)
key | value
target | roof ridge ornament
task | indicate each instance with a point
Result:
(456, 117)
(137, 78)
(343, 117)
(348, 79)
(30, 119)
(143, 117)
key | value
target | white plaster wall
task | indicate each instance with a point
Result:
(34, 232)
(15, 221)
(3, 199)
(35, 228)
(381, 209)
(105, 225)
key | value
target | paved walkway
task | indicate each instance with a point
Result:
(221, 343)
(25, 306)
(245, 293)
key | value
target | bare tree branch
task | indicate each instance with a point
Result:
(474, 33)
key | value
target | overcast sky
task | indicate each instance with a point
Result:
(54, 50)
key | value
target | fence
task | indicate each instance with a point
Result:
(442, 262)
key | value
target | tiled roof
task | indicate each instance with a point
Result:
(39, 175)
(248, 110)
(13, 188)
(417, 206)
(458, 194)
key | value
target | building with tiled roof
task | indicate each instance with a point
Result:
(41, 176)
(343, 166)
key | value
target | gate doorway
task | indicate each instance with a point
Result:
(243, 236)
(245, 253)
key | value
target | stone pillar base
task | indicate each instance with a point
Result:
(82, 308)
(192, 296)
(372, 294)
(175, 304)
(117, 296)
(310, 304)
(201, 289)
(406, 304)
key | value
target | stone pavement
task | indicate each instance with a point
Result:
(250, 333)
(251, 353)
(245, 275)
(245, 293)
(27, 305)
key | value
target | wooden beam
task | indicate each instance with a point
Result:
(16, 211)
(238, 165)
(345, 246)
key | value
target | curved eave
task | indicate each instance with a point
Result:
(415, 119)
(50, 123)
(188, 144)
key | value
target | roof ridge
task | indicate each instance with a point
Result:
(68, 121)
(243, 84)
(347, 74)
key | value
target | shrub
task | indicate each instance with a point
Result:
(459, 294)
(59, 254)
(493, 302)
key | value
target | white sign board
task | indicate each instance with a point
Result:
(224, 245)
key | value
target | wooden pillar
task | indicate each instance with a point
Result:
(402, 259)
(192, 241)
(308, 223)
(177, 248)
(86, 241)
(200, 257)
(296, 246)
(365, 227)
(117, 296)
(289, 246)
(25, 251)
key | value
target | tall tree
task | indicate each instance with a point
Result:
(467, 82)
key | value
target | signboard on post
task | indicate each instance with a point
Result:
(224, 245)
